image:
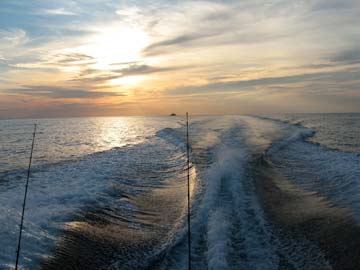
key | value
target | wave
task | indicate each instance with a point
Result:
(331, 173)
(173, 136)
(229, 228)
(100, 187)
(330, 232)
(315, 167)
(330, 132)
(291, 121)
(296, 135)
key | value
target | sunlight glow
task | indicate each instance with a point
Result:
(130, 80)
(116, 45)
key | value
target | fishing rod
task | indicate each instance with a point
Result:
(188, 188)
(24, 202)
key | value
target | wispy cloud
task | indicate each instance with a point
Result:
(161, 46)
(73, 58)
(246, 85)
(214, 52)
(348, 56)
(99, 76)
(58, 11)
(61, 92)
(136, 69)
(13, 37)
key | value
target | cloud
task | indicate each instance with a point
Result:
(64, 109)
(312, 66)
(14, 37)
(125, 63)
(326, 5)
(52, 62)
(74, 57)
(58, 11)
(230, 23)
(241, 85)
(155, 48)
(69, 59)
(61, 92)
(136, 69)
(348, 56)
(99, 76)
(237, 48)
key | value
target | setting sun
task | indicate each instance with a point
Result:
(116, 45)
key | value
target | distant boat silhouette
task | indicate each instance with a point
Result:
(173, 114)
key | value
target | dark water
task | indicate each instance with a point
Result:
(279, 192)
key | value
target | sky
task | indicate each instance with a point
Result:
(113, 58)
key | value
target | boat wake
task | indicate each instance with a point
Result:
(261, 194)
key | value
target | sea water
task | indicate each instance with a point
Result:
(110, 192)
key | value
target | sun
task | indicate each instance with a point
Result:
(116, 45)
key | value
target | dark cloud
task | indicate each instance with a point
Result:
(125, 63)
(98, 76)
(133, 70)
(317, 66)
(325, 5)
(73, 57)
(213, 37)
(348, 57)
(309, 66)
(88, 71)
(61, 92)
(157, 47)
(218, 16)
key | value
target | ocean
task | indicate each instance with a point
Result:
(267, 192)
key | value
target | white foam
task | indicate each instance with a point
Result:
(59, 192)
(229, 212)
(297, 134)
(331, 173)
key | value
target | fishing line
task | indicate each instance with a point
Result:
(24, 202)
(188, 188)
